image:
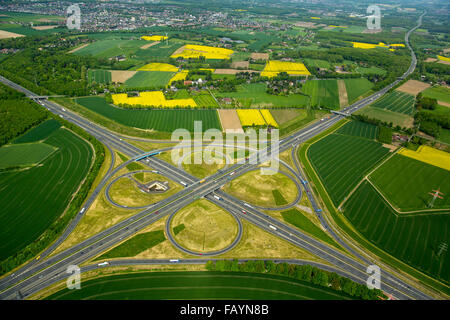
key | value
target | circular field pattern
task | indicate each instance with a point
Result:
(124, 191)
(207, 228)
(268, 191)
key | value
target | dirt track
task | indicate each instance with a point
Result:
(229, 119)
(7, 34)
(151, 44)
(413, 87)
(121, 75)
(343, 97)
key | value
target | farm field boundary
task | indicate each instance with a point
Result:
(344, 226)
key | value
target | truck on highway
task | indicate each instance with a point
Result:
(202, 181)
(218, 198)
(174, 260)
(103, 264)
(246, 204)
(272, 227)
(82, 210)
(183, 183)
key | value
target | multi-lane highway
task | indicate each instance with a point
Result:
(37, 275)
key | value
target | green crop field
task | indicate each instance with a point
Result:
(99, 76)
(315, 63)
(439, 93)
(149, 79)
(356, 88)
(111, 48)
(414, 239)
(196, 285)
(160, 120)
(406, 183)
(135, 245)
(323, 93)
(341, 162)
(396, 101)
(161, 50)
(359, 129)
(25, 30)
(444, 136)
(11, 16)
(32, 199)
(253, 95)
(205, 101)
(371, 70)
(40, 132)
(398, 119)
(24, 154)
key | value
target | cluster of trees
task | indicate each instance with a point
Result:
(428, 121)
(44, 67)
(283, 84)
(425, 103)
(385, 37)
(17, 114)
(436, 72)
(195, 73)
(305, 273)
(396, 63)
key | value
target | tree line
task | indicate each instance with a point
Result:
(17, 114)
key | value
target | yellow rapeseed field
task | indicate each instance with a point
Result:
(442, 58)
(273, 68)
(429, 155)
(250, 117)
(315, 18)
(196, 51)
(154, 38)
(152, 98)
(269, 118)
(158, 67)
(179, 76)
(363, 45)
